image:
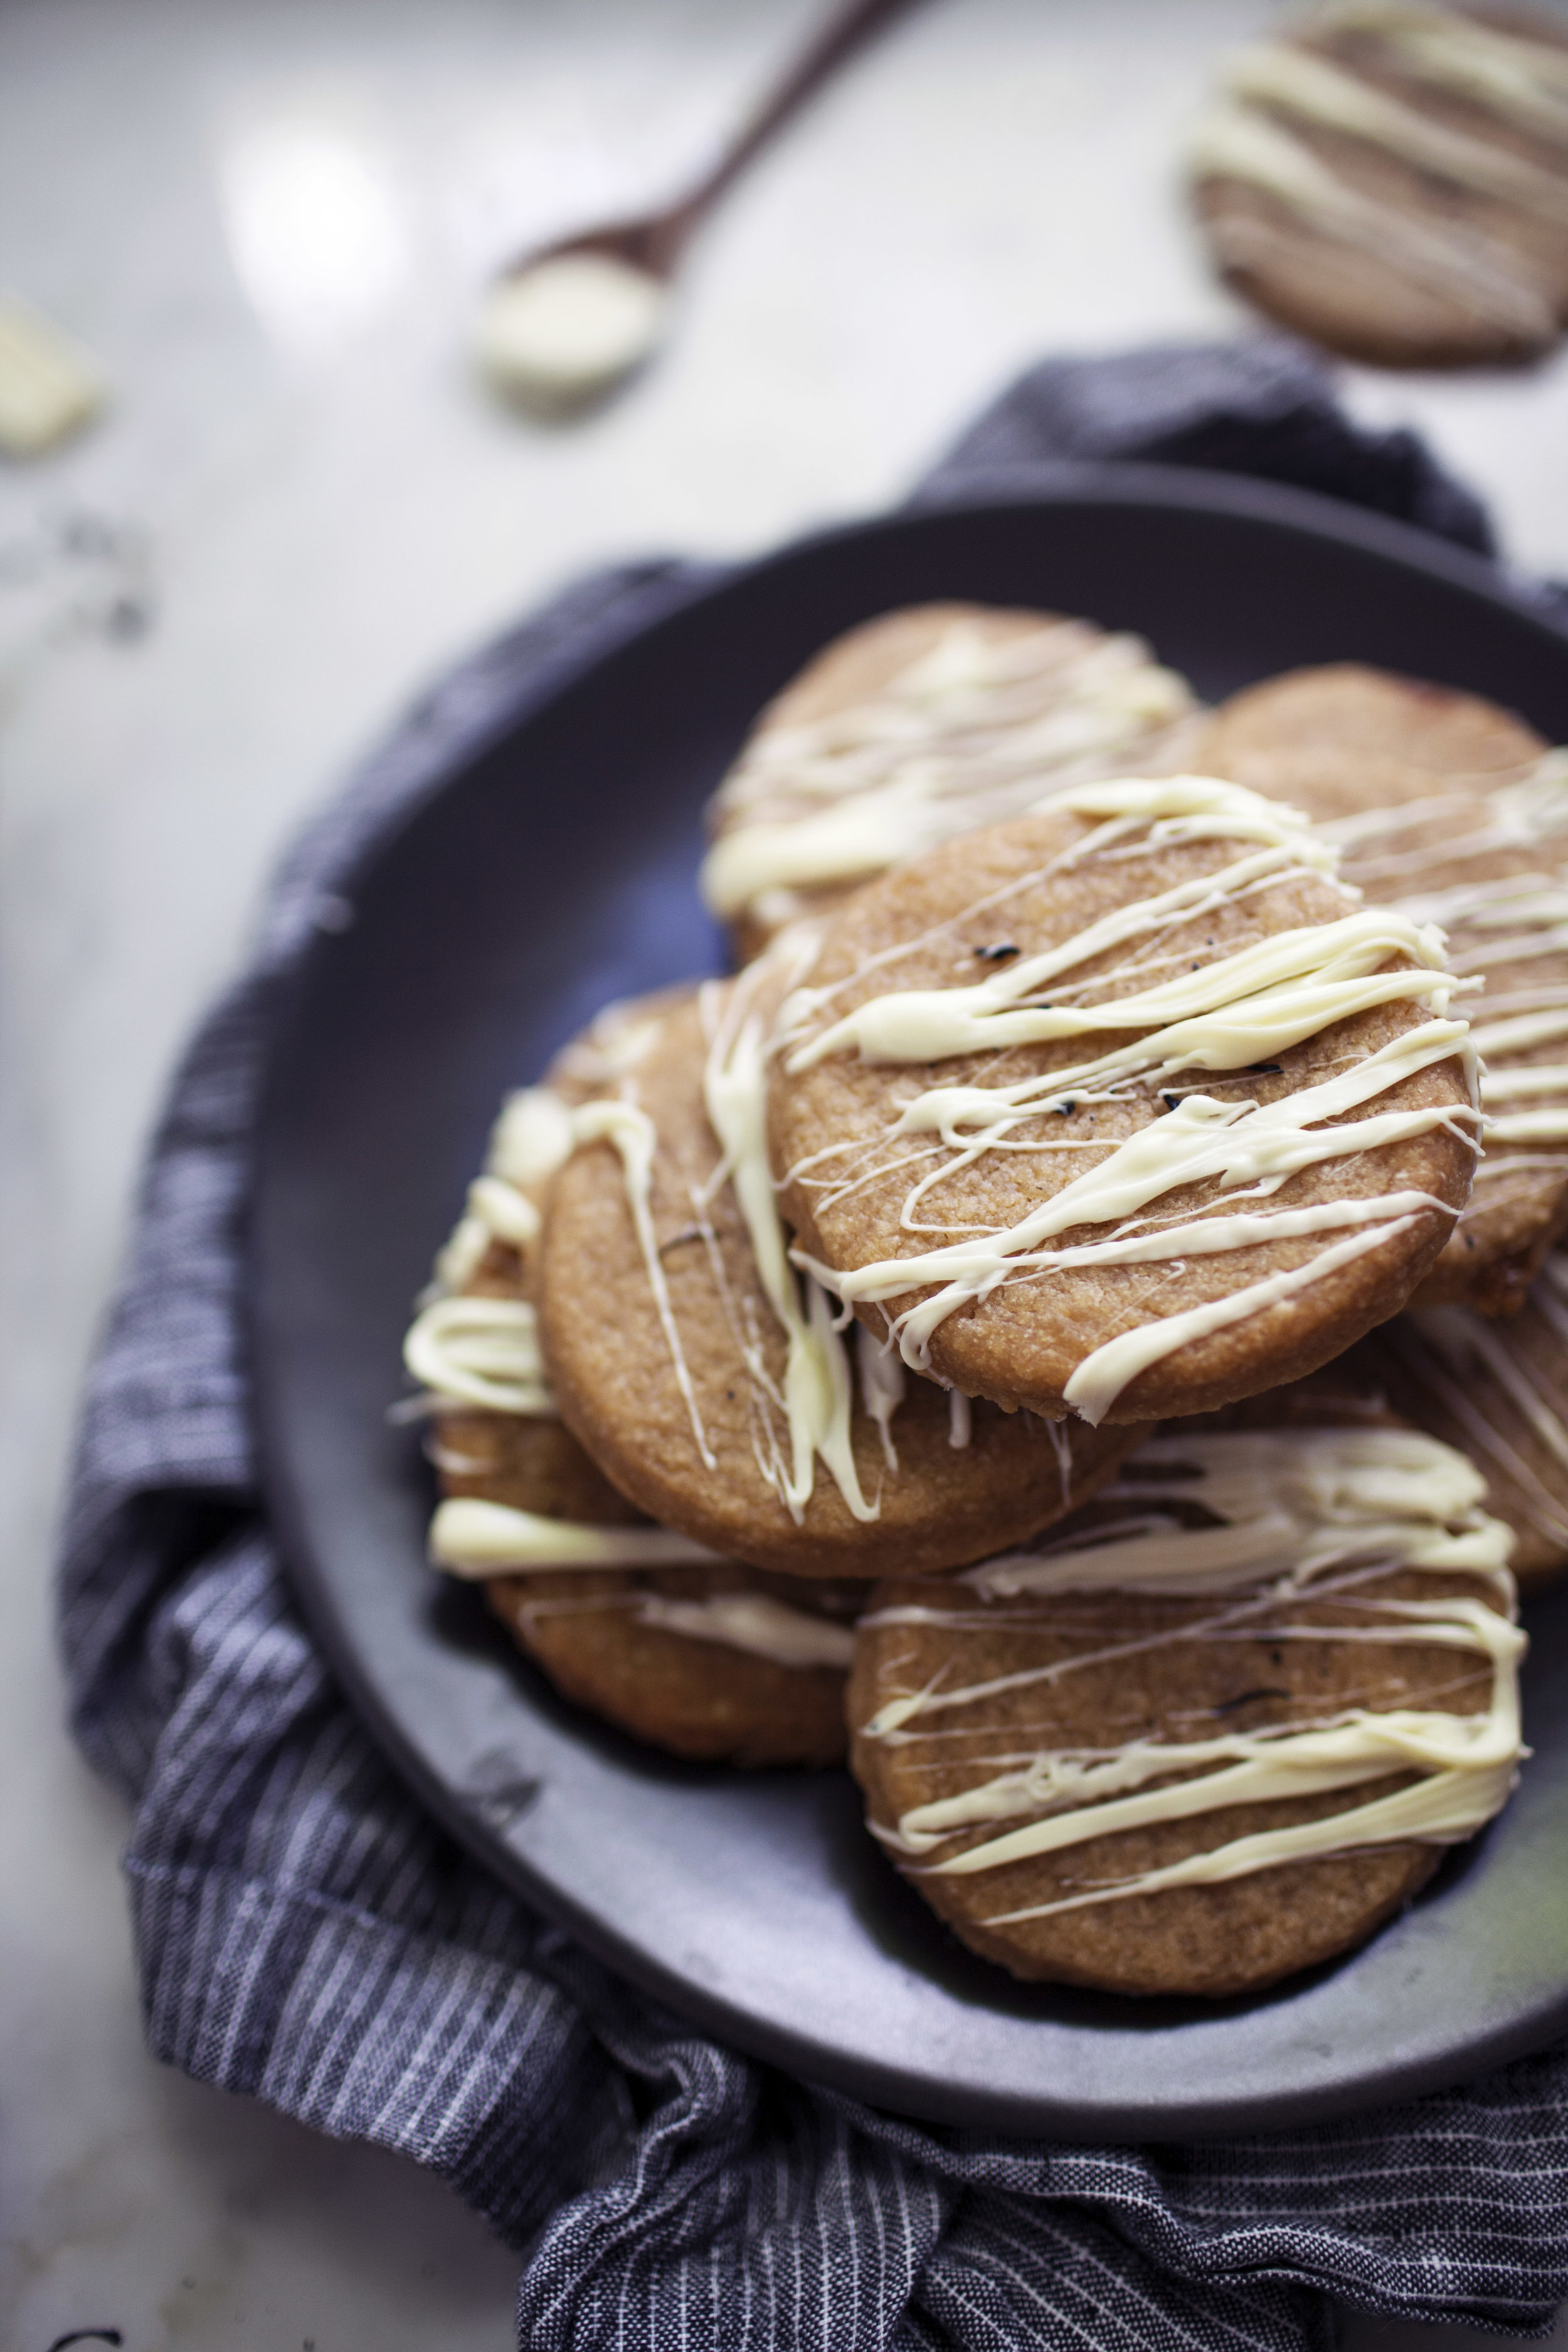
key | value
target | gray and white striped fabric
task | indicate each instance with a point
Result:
(306, 1934)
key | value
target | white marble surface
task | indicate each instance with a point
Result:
(268, 218)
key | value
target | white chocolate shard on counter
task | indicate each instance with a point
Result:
(48, 388)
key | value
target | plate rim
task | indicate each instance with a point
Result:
(1036, 488)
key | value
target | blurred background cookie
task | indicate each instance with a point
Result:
(1392, 181)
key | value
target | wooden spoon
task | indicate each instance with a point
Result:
(564, 324)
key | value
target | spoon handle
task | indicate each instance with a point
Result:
(844, 29)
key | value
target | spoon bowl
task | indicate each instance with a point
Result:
(566, 324)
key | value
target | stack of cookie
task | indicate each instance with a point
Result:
(1039, 1319)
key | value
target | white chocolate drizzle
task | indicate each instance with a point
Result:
(756, 1623)
(818, 1389)
(1271, 90)
(632, 1133)
(1495, 1383)
(1308, 87)
(476, 1352)
(1310, 1520)
(1226, 1015)
(881, 1386)
(471, 1537)
(481, 1353)
(475, 1540)
(1492, 923)
(976, 729)
(1522, 81)
(528, 1143)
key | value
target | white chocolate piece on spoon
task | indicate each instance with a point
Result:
(561, 334)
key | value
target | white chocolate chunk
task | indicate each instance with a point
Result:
(48, 388)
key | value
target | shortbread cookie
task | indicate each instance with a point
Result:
(1391, 180)
(706, 1378)
(1216, 1729)
(1125, 1108)
(703, 1657)
(1500, 1389)
(914, 727)
(1454, 812)
(1295, 730)
(711, 1661)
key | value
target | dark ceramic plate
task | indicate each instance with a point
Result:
(555, 870)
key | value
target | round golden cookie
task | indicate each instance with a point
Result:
(847, 1165)
(1308, 719)
(1473, 834)
(712, 1662)
(1393, 183)
(684, 1408)
(982, 1714)
(918, 725)
(659, 1653)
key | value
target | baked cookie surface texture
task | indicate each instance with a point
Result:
(1497, 1387)
(1453, 812)
(698, 1655)
(917, 726)
(703, 1373)
(1390, 179)
(1216, 1730)
(1123, 1109)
